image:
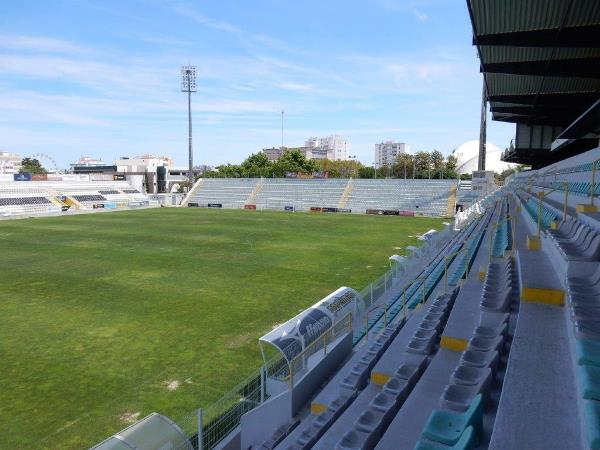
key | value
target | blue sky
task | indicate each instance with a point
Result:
(101, 78)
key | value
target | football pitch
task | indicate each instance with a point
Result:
(107, 317)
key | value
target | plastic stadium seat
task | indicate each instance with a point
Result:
(491, 332)
(588, 352)
(589, 380)
(308, 436)
(585, 281)
(466, 442)
(486, 344)
(354, 381)
(355, 440)
(370, 421)
(587, 329)
(386, 405)
(324, 419)
(447, 427)
(581, 312)
(397, 388)
(458, 397)
(471, 376)
(592, 423)
(341, 402)
(421, 346)
(474, 358)
(411, 372)
(375, 350)
(591, 288)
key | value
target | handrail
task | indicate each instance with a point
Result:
(385, 308)
(566, 185)
(343, 325)
(593, 185)
(492, 234)
(452, 255)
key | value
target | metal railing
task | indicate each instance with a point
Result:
(375, 290)
(298, 363)
(451, 257)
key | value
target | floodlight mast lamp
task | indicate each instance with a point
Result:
(188, 84)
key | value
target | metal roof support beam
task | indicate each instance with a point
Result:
(579, 67)
(587, 123)
(580, 37)
(581, 99)
(482, 129)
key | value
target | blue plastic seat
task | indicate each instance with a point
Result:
(587, 352)
(592, 423)
(466, 442)
(447, 427)
(589, 379)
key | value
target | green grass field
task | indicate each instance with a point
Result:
(107, 317)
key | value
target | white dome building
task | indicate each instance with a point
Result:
(468, 156)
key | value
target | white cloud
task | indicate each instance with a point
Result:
(297, 87)
(38, 44)
(202, 19)
(420, 15)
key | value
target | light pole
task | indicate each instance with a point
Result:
(282, 113)
(352, 158)
(429, 164)
(188, 84)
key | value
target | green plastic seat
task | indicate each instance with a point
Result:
(592, 423)
(447, 426)
(588, 352)
(589, 379)
(466, 442)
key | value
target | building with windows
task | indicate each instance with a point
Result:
(10, 163)
(335, 147)
(387, 152)
(273, 154)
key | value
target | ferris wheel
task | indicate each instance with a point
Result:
(46, 160)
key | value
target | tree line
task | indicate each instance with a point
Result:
(421, 165)
(31, 165)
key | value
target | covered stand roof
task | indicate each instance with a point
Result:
(540, 59)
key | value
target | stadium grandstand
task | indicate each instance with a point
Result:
(42, 198)
(386, 196)
(486, 337)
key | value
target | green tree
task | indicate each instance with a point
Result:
(366, 172)
(31, 165)
(257, 165)
(451, 163)
(422, 162)
(403, 165)
(339, 169)
(226, 171)
(293, 161)
(437, 161)
(500, 177)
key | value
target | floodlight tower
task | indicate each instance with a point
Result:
(188, 84)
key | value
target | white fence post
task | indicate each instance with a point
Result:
(200, 435)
